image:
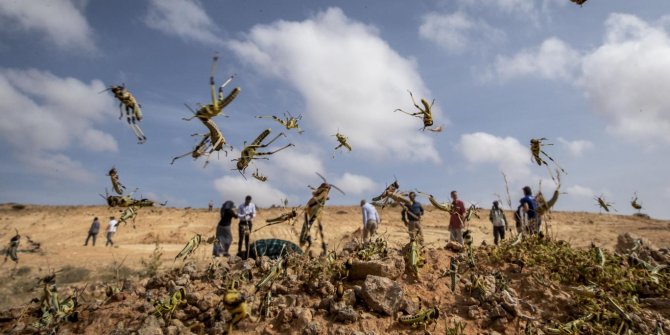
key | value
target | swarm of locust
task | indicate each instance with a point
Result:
(605, 287)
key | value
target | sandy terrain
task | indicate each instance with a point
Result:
(62, 230)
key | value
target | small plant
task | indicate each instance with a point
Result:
(456, 327)
(154, 262)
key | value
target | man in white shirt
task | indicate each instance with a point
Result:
(246, 212)
(111, 229)
(370, 220)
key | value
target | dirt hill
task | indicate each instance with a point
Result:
(61, 230)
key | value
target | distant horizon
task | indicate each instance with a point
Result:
(590, 79)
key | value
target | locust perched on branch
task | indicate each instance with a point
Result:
(133, 110)
(250, 152)
(219, 102)
(313, 211)
(424, 113)
(289, 122)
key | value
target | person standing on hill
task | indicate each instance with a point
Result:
(370, 220)
(93, 231)
(224, 237)
(411, 216)
(111, 229)
(499, 221)
(246, 213)
(456, 219)
(529, 207)
(210, 205)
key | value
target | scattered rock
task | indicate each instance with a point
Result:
(150, 326)
(312, 328)
(381, 294)
(454, 246)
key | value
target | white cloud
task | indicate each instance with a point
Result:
(60, 21)
(507, 153)
(44, 112)
(580, 191)
(295, 167)
(185, 19)
(457, 32)
(553, 59)
(350, 79)
(627, 77)
(353, 184)
(576, 147)
(56, 166)
(520, 8)
(236, 188)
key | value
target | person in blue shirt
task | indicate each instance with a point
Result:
(411, 216)
(529, 207)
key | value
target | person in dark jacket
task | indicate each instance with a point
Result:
(224, 236)
(93, 231)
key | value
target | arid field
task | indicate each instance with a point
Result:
(61, 231)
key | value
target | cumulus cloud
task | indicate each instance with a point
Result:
(184, 19)
(60, 21)
(44, 112)
(350, 79)
(553, 59)
(580, 191)
(576, 147)
(56, 166)
(353, 184)
(236, 187)
(507, 153)
(627, 77)
(457, 32)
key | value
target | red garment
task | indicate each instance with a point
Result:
(457, 213)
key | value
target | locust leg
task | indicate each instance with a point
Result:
(272, 152)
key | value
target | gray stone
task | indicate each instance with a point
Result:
(381, 294)
(312, 328)
(150, 326)
(345, 314)
(390, 268)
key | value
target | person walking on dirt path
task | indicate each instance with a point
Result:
(499, 221)
(371, 220)
(111, 230)
(456, 218)
(224, 236)
(93, 231)
(246, 213)
(411, 216)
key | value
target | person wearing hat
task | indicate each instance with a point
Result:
(499, 221)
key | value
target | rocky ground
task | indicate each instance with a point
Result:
(529, 286)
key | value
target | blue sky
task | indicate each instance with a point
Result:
(591, 79)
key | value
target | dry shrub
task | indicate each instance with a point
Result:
(154, 262)
(18, 207)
